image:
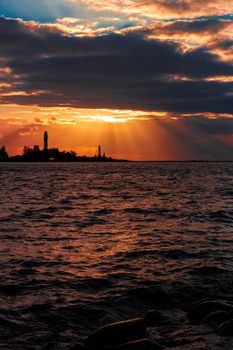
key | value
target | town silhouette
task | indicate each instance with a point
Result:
(47, 154)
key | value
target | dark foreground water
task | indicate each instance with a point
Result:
(82, 245)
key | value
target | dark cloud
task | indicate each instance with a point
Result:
(197, 26)
(226, 44)
(114, 71)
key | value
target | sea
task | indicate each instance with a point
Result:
(83, 245)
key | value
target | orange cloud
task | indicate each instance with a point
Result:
(162, 8)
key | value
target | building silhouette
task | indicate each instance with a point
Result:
(35, 154)
(99, 152)
(46, 137)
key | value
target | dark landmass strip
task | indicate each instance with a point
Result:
(53, 155)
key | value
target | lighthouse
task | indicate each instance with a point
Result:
(46, 141)
(99, 152)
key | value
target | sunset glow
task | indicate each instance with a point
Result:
(145, 79)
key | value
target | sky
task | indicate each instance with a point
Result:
(145, 79)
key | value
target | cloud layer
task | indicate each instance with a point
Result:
(40, 64)
(163, 8)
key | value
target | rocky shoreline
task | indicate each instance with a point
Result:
(206, 319)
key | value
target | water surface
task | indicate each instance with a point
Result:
(84, 244)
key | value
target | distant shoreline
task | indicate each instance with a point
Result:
(93, 160)
(67, 161)
(183, 161)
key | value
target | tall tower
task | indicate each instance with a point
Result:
(46, 141)
(99, 152)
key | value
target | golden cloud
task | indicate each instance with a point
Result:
(162, 8)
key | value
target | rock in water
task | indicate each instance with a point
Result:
(117, 333)
(154, 318)
(226, 329)
(143, 344)
(203, 309)
(217, 317)
(199, 302)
